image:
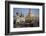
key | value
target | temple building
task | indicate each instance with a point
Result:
(29, 20)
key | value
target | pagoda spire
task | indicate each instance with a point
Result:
(30, 12)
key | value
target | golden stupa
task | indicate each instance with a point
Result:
(29, 17)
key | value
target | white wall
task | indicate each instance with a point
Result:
(2, 18)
